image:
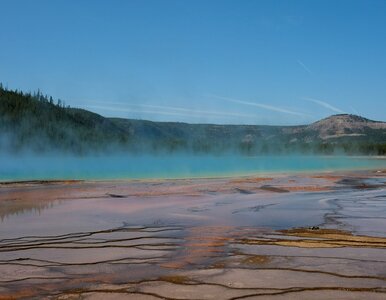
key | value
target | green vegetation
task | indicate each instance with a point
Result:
(34, 122)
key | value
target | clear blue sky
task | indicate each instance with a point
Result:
(248, 62)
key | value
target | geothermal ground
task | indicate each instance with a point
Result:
(318, 236)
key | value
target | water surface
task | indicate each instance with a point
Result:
(171, 166)
(197, 237)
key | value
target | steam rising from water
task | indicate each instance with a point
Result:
(30, 167)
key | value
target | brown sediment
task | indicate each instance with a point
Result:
(380, 172)
(177, 279)
(309, 188)
(244, 191)
(219, 264)
(251, 180)
(322, 238)
(360, 183)
(315, 187)
(304, 188)
(338, 235)
(40, 182)
(160, 193)
(238, 293)
(273, 189)
(23, 293)
(256, 260)
(333, 178)
(310, 231)
(116, 195)
(278, 242)
(290, 291)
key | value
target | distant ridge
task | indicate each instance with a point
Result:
(345, 125)
(347, 121)
(33, 122)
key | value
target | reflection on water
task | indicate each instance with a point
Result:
(90, 207)
(221, 202)
(21, 207)
(31, 199)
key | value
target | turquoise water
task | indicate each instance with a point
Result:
(177, 166)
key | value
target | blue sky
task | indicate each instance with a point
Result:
(226, 62)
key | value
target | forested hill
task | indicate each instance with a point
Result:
(37, 123)
(34, 122)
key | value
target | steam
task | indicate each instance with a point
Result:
(181, 165)
(43, 140)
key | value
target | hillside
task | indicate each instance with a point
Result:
(346, 125)
(33, 122)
